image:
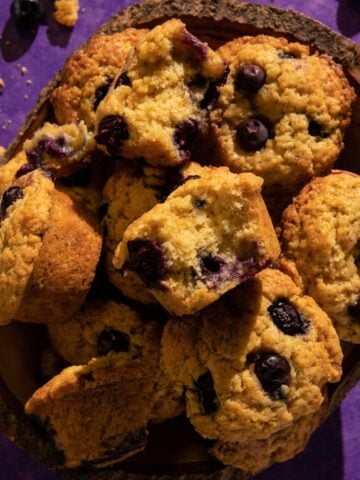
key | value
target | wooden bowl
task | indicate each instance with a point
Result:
(215, 21)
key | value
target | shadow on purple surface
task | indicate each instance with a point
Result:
(14, 43)
(57, 34)
(323, 458)
(348, 17)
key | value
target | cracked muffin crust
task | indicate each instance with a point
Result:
(282, 112)
(226, 237)
(251, 369)
(321, 246)
(88, 74)
(157, 107)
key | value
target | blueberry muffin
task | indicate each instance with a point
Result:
(281, 114)
(49, 249)
(208, 236)
(283, 445)
(252, 369)
(88, 74)
(98, 413)
(132, 191)
(156, 108)
(321, 241)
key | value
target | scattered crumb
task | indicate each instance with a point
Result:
(83, 10)
(29, 82)
(2, 85)
(66, 12)
(22, 69)
(26, 96)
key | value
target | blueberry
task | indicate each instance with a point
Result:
(354, 310)
(212, 93)
(252, 134)
(27, 13)
(211, 264)
(195, 44)
(199, 81)
(10, 196)
(101, 92)
(287, 318)
(205, 392)
(287, 55)
(273, 371)
(111, 340)
(316, 130)
(122, 79)
(24, 169)
(112, 132)
(199, 202)
(184, 137)
(146, 258)
(54, 147)
(250, 77)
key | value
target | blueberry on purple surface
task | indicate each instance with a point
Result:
(205, 392)
(101, 92)
(250, 77)
(184, 137)
(316, 130)
(111, 340)
(252, 134)
(146, 258)
(122, 79)
(112, 132)
(211, 264)
(273, 371)
(287, 318)
(27, 13)
(354, 310)
(10, 196)
(195, 45)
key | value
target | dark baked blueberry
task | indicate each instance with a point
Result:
(184, 137)
(10, 196)
(112, 132)
(102, 210)
(287, 318)
(146, 258)
(24, 169)
(211, 264)
(273, 371)
(123, 79)
(212, 93)
(27, 13)
(252, 134)
(205, 392)
(199, 81)
(354, 310)
(101, 92)
(250, 77)
(287, 55)
(199, 202)
(195, 44)
(316, 130)
(112, 340)
(54, 147)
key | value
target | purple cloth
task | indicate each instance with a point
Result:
(333, 453)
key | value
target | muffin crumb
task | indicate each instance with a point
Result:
(66, 12)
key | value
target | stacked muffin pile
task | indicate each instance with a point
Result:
(136, 231)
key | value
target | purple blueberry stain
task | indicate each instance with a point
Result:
(250, 77)
(252, 134)
(111, 340)
(123, 79)
(146, 258)
(10, 196)
(273, 372)
(211, 264)
(184, 137)
(54, 147)
(101, 92)
(287, 318)
(112, 132)
(195, 45)
(206, 394)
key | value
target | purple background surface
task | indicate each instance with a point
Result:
(333, 452)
